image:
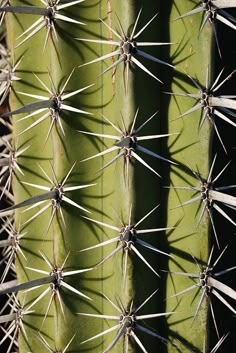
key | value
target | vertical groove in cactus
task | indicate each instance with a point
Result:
(116, 165)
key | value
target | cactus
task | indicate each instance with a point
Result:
(114, 198)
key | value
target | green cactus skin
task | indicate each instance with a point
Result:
(195, 239)
(111, 195)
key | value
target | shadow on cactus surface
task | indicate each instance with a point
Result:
(117, 176)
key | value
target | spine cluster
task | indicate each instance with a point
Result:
(113, 197)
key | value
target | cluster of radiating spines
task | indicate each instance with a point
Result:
(49, 15)
(212, 198)
(127, 240)
(8, 74)
(11, 248)
(213, 11)
(9, 164)
(206, 280)
(126, 143)
(213, 105)
(127, 49)
(127, 324)
(53, 106)
(12, 323)
(53, 197)
(55, 281)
